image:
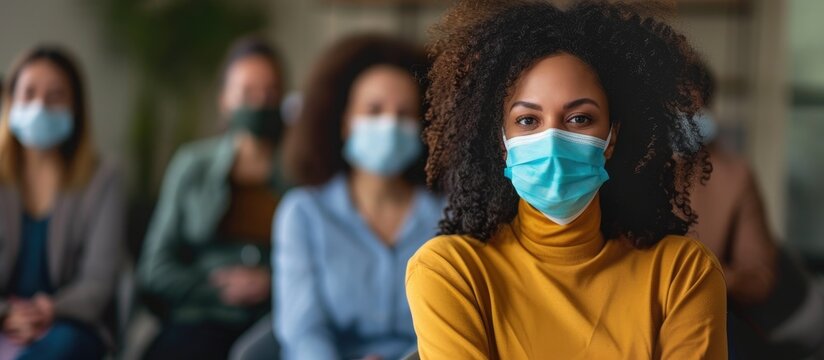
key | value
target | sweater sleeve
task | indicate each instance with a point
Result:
(447, 320)
(85, 298)
(695, 319)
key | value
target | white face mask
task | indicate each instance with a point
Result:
(38, 127)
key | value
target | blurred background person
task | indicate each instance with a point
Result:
(205, 258)
(775, 309)
(733, 222)
(258, 342)
(342, 241)
(61, 216)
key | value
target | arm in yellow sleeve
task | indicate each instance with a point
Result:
(445, 312)
(695, 322)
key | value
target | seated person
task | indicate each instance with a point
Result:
(61, 216)
(206, 252)
(341, 241)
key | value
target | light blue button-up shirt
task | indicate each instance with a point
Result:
(338, 290)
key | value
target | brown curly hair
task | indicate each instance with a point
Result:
(313, 146)
(481, 47)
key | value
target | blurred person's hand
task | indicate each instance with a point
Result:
(44, 304)
(21, 322)
(242, 285)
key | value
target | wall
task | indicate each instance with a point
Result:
(303, 29)
(805, 150)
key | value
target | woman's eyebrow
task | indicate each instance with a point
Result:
(526, 104)
(579, 102)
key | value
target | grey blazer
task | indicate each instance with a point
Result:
(85, 245)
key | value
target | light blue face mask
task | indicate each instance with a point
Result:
(707, 127)
(558, 172)
(38, 127)
(707, 132)
(383, 145)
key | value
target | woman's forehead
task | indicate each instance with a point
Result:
(557, 79)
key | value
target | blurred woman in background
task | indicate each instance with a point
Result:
(775, 306)
(342, 241)
(61, 216)
(205, 258)
(733, 222)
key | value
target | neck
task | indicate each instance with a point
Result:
(249, 146)
(37, 161)
(42, 173)
(372, 191)
(573, 243)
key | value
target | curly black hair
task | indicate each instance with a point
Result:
(481, 48)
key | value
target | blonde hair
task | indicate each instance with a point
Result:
(77, 151)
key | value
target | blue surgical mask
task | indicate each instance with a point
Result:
(707, 132)
(384, 145)
(707, 127)
(558, 172)
(38, 127)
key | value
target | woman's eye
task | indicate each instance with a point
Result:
(526, 121)
(28, 94)
(53, 97)
(579, 120)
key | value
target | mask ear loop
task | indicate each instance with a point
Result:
(609, 137)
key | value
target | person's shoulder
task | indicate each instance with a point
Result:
(729, 167)
(309, 197)
(107, 171)
(201, 150)
(297, 198)
(682, 252)
(685, 266)
(191, 161)
(447, 254)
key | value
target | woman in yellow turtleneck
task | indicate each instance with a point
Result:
(554, 132)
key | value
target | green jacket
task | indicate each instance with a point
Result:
(182, 247)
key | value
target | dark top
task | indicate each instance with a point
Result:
(31, 271)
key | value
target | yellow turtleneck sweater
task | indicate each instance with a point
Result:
(539, 290)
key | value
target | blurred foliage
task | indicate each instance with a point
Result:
(176, 48)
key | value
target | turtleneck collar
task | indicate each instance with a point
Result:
(574, 243)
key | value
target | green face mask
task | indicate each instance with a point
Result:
(263, 123)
